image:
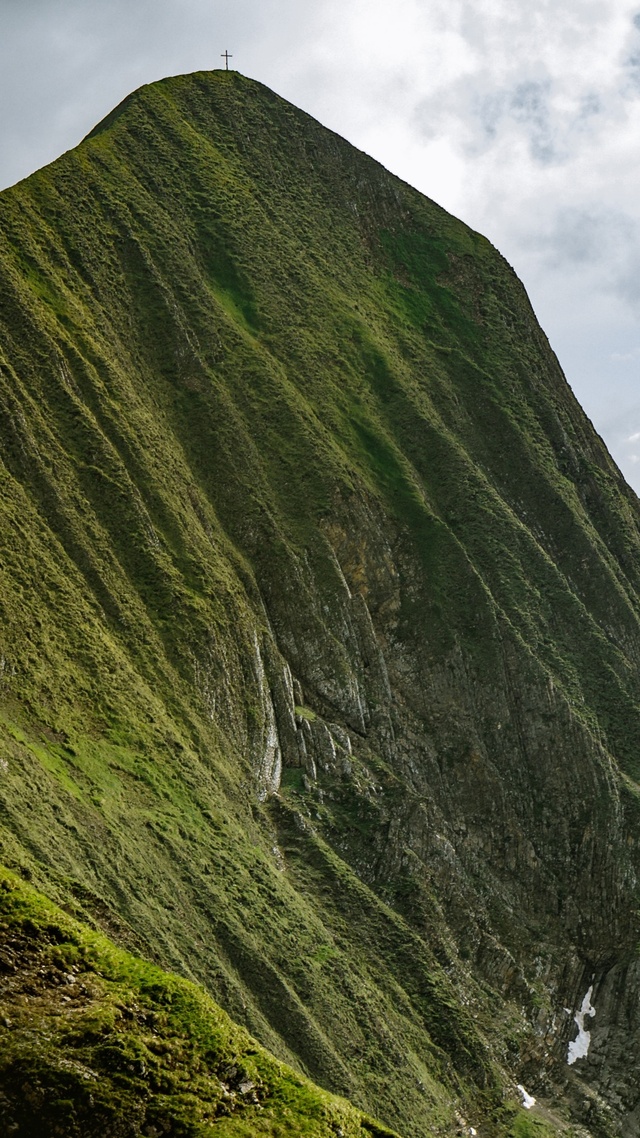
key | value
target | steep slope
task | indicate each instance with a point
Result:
(99, 1042)
(320, 635)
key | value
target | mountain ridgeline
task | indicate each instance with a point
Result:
(319, 657)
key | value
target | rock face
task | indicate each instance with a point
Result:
(320, 615)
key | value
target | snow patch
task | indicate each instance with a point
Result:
(580, 1046)
(527, 1100)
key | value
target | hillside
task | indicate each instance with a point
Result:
(319, 637)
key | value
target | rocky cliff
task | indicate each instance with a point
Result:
(320, 641)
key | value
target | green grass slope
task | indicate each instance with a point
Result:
(97, 1041)
(319, 631)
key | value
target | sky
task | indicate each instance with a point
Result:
(523, 119)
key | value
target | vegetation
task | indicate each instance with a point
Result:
(96, 1040)
(283, 447)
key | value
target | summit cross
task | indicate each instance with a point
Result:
(225, 55)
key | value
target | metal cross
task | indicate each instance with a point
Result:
(225, 55)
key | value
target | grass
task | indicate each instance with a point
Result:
(93, 1037)
(250, 435)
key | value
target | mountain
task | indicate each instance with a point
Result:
(319, 656)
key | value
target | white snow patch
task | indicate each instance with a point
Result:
(527, 1100)
(580, 1046)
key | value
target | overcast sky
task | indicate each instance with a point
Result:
(522, 118)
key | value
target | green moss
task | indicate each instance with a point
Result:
(305, 713)
(527, 1125)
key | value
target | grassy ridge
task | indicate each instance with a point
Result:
(92, 1037)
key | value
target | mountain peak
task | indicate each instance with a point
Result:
(319, 648)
